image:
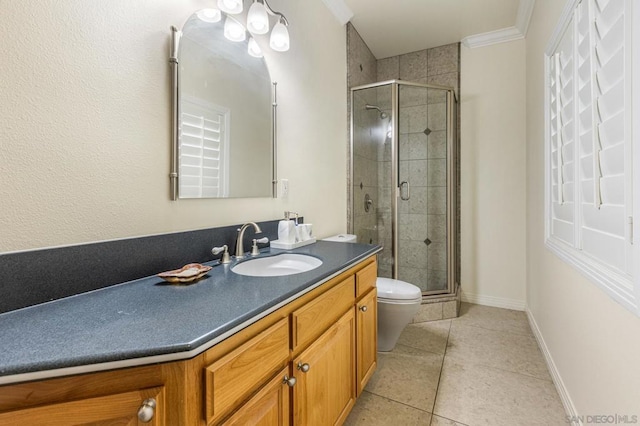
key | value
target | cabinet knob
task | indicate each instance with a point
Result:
(303, 367)
(364, 308)
(147, 410)
(289, 381)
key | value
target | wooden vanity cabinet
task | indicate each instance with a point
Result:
(303, 364)
(332, 356)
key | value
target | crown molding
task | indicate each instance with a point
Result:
(492, 37)
(518, 32)
(523, 18)
(340, 10)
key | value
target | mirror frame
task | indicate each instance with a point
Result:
(174, 195)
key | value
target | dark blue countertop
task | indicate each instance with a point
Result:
(147, 320)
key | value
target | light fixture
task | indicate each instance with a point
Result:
(233, 30)
(232, 7)
(253, 48)
(257, 23)
(209, 15)
(257, 18)
(279, 40)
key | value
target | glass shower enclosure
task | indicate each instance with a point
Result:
(404, 181)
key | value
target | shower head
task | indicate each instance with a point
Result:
(382, 114)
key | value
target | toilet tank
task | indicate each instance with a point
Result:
(343, 238)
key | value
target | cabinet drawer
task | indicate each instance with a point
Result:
(121, 408)
(366, 278)
(269, 407)
(231, 379)
(316, 316)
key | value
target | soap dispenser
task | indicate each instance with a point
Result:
(287, 229)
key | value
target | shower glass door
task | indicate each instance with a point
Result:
(404, 181)
(422, 182)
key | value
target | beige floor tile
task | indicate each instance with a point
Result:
(488, 396)
(494, 319)
(428, 336)
(407, 375)
(513, 352)
(441, 421)
(374, 410)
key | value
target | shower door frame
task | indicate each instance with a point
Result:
(452, 177)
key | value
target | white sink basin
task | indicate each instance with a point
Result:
(276, 266)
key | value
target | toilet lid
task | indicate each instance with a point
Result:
(397, 290)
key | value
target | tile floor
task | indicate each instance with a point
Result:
(482, 368)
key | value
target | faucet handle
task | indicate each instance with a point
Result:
(225, 256)
(254, 249)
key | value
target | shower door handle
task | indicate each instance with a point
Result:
(405, 191)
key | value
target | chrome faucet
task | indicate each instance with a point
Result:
(239, 245)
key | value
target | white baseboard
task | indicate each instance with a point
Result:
(567, 403)
(496, 302)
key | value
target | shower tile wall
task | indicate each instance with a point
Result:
(422, 163)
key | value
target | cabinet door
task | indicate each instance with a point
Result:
(269, 407)
(367, 340)
(325, 390)
(120, 409)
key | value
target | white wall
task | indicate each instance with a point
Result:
(593, 342)
(493, 175)
(85, 123)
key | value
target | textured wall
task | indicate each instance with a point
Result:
(592, 340)
(85, 129)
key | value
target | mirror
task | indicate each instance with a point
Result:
(223, 113)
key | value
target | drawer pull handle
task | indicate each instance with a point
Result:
(364, 308)
(289, 381)
(147, 410)
(303, 367)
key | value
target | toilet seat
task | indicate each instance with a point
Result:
(397, 292)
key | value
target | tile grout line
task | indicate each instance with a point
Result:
(398, 402)
(440, 375)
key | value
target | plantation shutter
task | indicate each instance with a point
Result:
(562, 140)
(601, 84)
(202, 132)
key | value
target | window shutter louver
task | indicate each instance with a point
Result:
(202, 134)
(562, 140)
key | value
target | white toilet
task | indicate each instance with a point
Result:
(398, 302)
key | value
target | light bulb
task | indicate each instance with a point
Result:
(279, 38)
(257, 19)
(209, 15)
(232, 7)
(233, 30)
(253, 49)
